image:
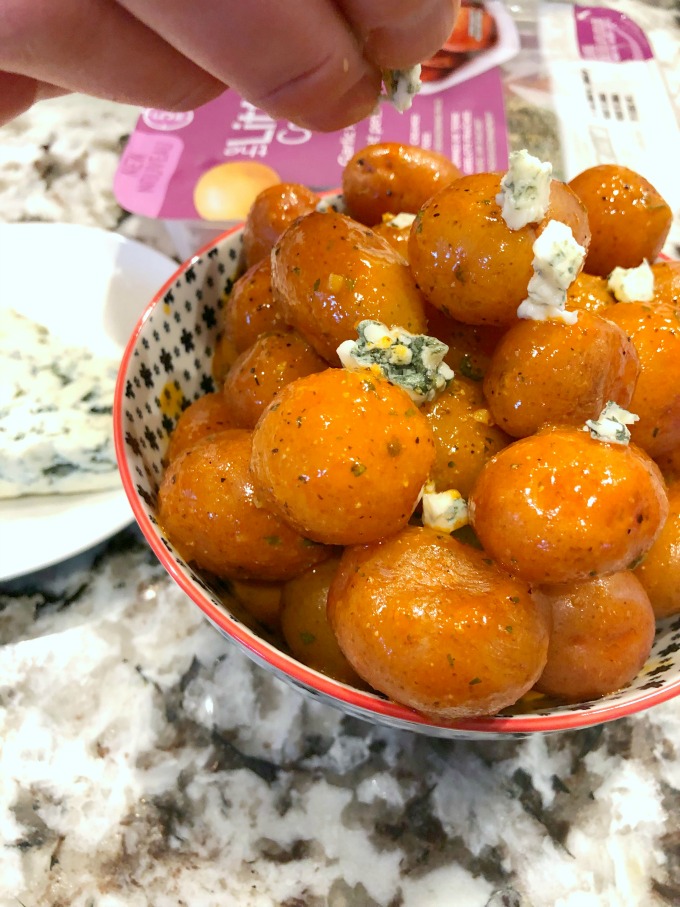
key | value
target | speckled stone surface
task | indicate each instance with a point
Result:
(144, 760)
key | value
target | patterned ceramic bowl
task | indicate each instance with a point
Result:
(168, 361)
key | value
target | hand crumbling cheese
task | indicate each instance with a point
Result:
(557, 262)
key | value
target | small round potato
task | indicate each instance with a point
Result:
(257, 376)
(669, 463)
(206, 505)
(464, 435)
(205, 416)
(305, 625)
(559, 506)
(602, 633)
(330, 273)
(435, 626)
(550, 373)
(389, 178)
(589, 293)
(251, 309)
(659, 572)
(629, 220)
(342, 456)
(274, 209)
(655, 332)
(466, 259)
(261, 600)
(470, 345)
(667, 282)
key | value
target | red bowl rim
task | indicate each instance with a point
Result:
(308, 677)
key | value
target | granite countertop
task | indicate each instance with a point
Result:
(147, 761)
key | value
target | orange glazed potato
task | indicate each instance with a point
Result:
(547, 372)
(274, 209)
(470, 345)
(330, 273)
(205, 416)
(389, 178)
(305, 626)
(590, 293)
(206, 505)
(257, 376)
(261, 600)
(667, 282)
(659, 572)
(466, 259)
(655, 331)
(669, 463)
(251, 309)
(464, 439)
(628, 218)
(560, 506)
(396, 236)
(435, 626)
(602, 633)
(342, 456)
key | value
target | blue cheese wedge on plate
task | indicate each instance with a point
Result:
(56, 434)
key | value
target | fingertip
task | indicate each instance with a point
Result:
(354, 104)
(17, 95)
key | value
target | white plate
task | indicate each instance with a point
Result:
(89, 288)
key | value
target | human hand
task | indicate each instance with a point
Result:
(315, 62)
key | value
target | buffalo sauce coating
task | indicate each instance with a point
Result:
(602, 633)
(390, 178)
(628, 218)
(655, 332)
(342, 456)
(560, 506)
(433, 624)
(329, 273)
(547, 372)
(206, 505)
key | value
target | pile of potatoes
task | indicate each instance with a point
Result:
(300, 481)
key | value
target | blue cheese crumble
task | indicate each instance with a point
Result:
(612, 424)
(401, 86)
(56, 402)
(400, 221)
(413, 362)
(557, 262)
(525, 190)
(632, 284)
(444, 511)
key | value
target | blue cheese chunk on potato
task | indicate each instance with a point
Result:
(56, 406)
(632, 284)
(444, 511)
(525, 190)
(612, 424)
(556, 264)
(413, 362)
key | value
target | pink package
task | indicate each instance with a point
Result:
(206, 166)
